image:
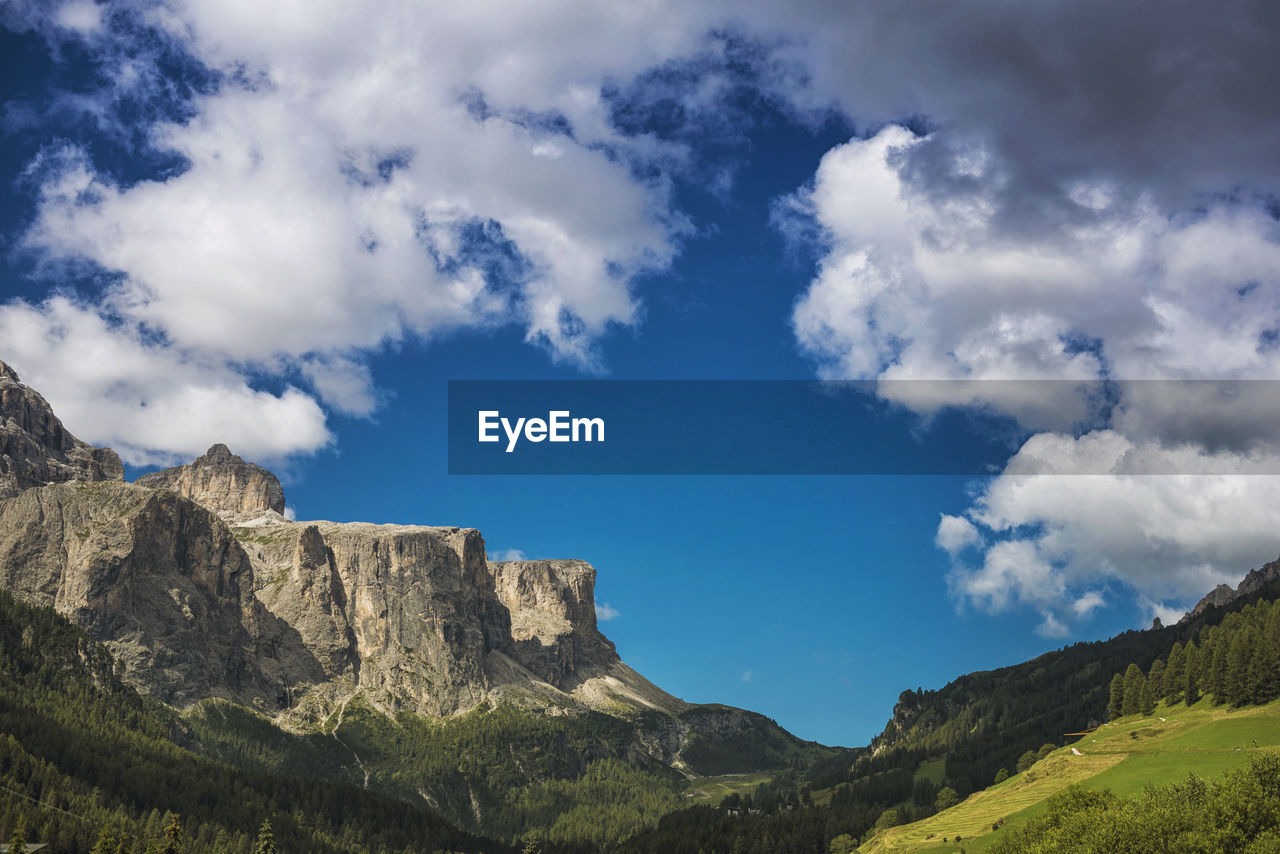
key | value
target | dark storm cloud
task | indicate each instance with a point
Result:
(1176, 99)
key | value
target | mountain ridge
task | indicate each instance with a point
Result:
(203, 590)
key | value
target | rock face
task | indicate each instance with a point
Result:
(223, 483)
(1222, 594)
(552, 608)
(158, 578)
(35, 449)
(202, 589)
(417, 619)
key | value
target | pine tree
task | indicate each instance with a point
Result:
(1147, 699)
(18, 836)
(1134, 682)
(1117, 697)
(1216, 667)
(1191, 675)
(107, 842)
(1155, 681)
(266, 840)
(1264, 676)
(1235, 687)
(1175, 676)
(172, 842)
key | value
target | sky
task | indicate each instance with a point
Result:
(288, 226)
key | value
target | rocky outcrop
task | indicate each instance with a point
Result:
(403, 613)
(1224, 595)
(224, 483)
(415, 618)
(35, 449)
(162, 581)
(201, 588)
(552, 608)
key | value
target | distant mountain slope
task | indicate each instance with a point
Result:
(80, 750)
(982, 722)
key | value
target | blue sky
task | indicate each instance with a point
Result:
(287, 229)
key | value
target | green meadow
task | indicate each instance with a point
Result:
(1123, 756)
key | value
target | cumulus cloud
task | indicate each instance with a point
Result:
(507, 554)
(351, 178)
(606, 612)
(1088, 603)
(956, 533)
(1166, 539)
(152, 405)
(915, 286)
(1107, 337)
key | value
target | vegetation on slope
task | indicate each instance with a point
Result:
(1122, 757)
(80, 751)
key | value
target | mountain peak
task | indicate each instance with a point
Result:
(218, 453)
(1223, 594)
(35, 449)
(222, 482)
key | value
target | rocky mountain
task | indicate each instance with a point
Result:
(202, 588)
(35, 449)
(222, 482)
(1223, 594)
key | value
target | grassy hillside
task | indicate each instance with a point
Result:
(1123, 756)
(981, 722)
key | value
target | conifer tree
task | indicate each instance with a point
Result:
(1174, 676)
(107, 842)
(1147, 699)
(172, 842)
(1216, 669)
(1191, 675)
(1117, 697)
(1134, 682)
(266, 840)
(1236, 688)
(1155, 680)
(18, 836)
(1264, 675)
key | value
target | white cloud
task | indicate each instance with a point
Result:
(150, 403)
(606, 612)
(1167, 487)
(361, 176)
(1051, 627)
(82, 16)
(748, 676)
(1056, 537)
(507, 554)
(921, 286)
(956, 533)
(1087, 604)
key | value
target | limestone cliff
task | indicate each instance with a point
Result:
(202, 589)
(158, 578)
(35, 449)
(223, 483)
(416, 619)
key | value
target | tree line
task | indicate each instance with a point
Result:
(1236, 663)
